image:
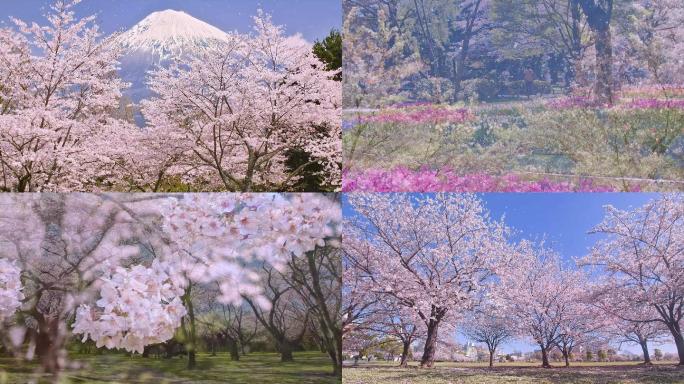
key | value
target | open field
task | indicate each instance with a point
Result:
(551, 145)
(471, 373)
(308, 368)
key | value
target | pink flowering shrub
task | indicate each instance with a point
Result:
(402, 179)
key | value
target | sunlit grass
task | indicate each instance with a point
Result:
(517, 372)
(308, 368)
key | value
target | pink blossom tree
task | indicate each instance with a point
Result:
(431, 254)
(642, 255)
(487, 324)
(238, 109)
(58, 94)
(10, 289)
(539, 293)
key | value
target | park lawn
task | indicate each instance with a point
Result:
(521, 373)
(308, 368)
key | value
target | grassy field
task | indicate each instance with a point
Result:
(266, 368)
(520, 373)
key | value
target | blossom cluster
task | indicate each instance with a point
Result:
(403, 179)
(10, 288)
(420, 114)
(216, 235)
(137, 307)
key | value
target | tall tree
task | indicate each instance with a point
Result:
(59, 95)
(643, 253)
(599, 14)
(431, 255)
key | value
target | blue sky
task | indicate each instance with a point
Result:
(562, 219)
(312, 18)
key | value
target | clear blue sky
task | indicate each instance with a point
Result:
(312, 18)
(562, 219)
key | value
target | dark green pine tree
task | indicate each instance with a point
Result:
(329, 51)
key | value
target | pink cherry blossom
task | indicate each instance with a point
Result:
(10, 288)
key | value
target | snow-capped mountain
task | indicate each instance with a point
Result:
(158, 38)
(169, 33)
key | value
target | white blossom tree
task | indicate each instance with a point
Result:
(58, 92)
(238, 109)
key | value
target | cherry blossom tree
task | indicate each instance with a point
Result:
(137, 307)
(238, 109)
(488, 324)
(317, 279)
(10, 289)
(282, 319)
(642, 255)
(59, 91)
(431, 254)
(539, 293)
(63, 244)
(107, 259)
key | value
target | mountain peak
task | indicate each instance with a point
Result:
(170, 32)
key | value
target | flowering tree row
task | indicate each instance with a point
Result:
(419, 268)
(226, 120)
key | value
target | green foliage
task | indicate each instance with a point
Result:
(329, 51)
(589, 356)
(480, 89)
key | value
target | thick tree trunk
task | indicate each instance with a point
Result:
(404, 354)
(604, 63)
(285, 350)
(48, 345)
(679, 342)
(428, 358)
(644, 349)
(491, 358)
(545, 358)
(566, 356)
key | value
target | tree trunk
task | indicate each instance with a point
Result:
(679, 342)
(604, 63)
(404, 354)
(285, 350)
(234, 353)
(491, 358)
(644, 348)
(48, 345)
(566, 356)
(190, 335)
(545, 358)
(428, 358)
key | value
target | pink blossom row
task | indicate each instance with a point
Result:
(402, 179)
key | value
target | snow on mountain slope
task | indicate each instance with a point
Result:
(155, 41)
(169, 33)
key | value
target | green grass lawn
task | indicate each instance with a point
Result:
(266, 368)
(520, 373)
